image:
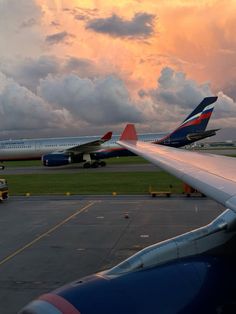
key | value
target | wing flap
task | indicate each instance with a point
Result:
(211, 174)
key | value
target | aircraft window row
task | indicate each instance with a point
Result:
(56, 145)
(51, 145)
(9, 147)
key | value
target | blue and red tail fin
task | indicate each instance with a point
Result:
(200, 116)
(194, 125)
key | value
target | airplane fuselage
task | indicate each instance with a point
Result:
(33, 149)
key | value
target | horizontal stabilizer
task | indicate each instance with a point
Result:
(201, 135)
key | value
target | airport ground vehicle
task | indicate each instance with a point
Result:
(3, 189)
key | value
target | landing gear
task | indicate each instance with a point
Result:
(94, 164)
(87, 165)
(102, 163)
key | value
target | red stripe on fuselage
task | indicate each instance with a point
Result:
(60, 303)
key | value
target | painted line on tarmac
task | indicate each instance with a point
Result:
(20, 250)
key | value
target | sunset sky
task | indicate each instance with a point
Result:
(83, 67)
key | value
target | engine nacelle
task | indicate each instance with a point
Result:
(56, 159)
(192, 285)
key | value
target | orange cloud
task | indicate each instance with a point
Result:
(196, 37)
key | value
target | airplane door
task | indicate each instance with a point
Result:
(38, 147)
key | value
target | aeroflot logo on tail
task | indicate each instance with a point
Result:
(197, 118)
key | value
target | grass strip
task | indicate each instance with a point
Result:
(92, 183)
(109, 161)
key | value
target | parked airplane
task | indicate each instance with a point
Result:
(191, 273)
(91, 151)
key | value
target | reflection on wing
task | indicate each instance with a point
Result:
(213, 175)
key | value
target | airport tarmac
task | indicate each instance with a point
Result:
(48, 241)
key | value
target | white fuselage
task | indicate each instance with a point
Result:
(29, 149)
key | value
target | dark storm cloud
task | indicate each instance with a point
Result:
(100, 101)
(176, 95)
(74, 63)
(140, 26)
(174, 88)
(28, 71)
(58, 38)
(20, 109)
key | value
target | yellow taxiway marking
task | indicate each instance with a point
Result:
(45, 233)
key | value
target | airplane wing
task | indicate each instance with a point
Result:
(90, 146)
(190, 273)
(210, 174)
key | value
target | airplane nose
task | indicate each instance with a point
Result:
(49, 304)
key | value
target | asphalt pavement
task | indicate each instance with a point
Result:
(46, 242)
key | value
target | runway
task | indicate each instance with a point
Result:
(48, 241)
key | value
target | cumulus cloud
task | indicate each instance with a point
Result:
(99, 101)
(28, 71)
(20, 109)
(140, 26)
(176, 88)
(84, 67)
(176, 95)
(57, 38)
(61, 100)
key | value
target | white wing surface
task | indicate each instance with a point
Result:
(210, 174)
(90, 146)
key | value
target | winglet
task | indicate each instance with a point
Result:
(129, 133)
(107, 136)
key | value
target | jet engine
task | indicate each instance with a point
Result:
(57, 159)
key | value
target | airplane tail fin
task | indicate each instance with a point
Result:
(201, 115)
(106, 137)
(129, 133)
(193, 127)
